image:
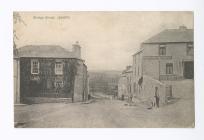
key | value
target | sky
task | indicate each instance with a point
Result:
(108, 39)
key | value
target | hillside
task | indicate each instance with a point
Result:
(104, 81)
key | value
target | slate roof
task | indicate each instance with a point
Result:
(49, 51)
(172, 36)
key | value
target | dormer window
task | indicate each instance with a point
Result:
(162, 49)
(35, 66)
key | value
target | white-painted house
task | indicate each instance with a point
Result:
(125, 83)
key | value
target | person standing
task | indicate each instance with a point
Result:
(157, 97)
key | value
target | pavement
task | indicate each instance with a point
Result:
(104, 113)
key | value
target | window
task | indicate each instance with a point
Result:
(34, 66)
(58, 68)
(162, 49)
(189, 49)
(59, 84)
(169, 68)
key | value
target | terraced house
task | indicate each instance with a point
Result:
(164, 61)
(125, 83)
(49, 72)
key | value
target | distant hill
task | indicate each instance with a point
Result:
(107, 72)
(105, 81)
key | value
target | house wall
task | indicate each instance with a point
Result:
(80, 86)
(137, 70)
(152, 67)
(177, 53)
(181, 89)
(125, 84)
(177, 50)
(42, 84)
(150, 49)
(16, 75)
(122, 86)
(129, 82)
(147, 91)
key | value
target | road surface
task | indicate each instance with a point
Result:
(104, 113)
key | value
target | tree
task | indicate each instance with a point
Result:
(17, 19)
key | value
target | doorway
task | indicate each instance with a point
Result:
(169, 94)
(188, 70)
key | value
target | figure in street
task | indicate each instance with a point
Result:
(157, 97)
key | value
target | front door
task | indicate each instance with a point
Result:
(188, 70)
(169, 91)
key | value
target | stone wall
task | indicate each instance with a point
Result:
(16, 76)
(80, 86)
(74, 79)
(147, 91)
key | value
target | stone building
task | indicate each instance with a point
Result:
(125, 83)
(16, 75)
(49, 72)
(163, 59)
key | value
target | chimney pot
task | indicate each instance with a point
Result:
(77, 49)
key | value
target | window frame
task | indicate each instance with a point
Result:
(189, 45)
(163, 48)
(57, 68)
(169, 68)
(32, 66)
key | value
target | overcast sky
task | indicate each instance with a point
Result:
(108, 39)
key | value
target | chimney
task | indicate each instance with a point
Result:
(77, 49)
(183, 28)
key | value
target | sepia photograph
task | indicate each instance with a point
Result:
(103, 69)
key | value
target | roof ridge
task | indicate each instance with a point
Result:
(171, 35)
(58, 46)
(40, 45)
(45, 51)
